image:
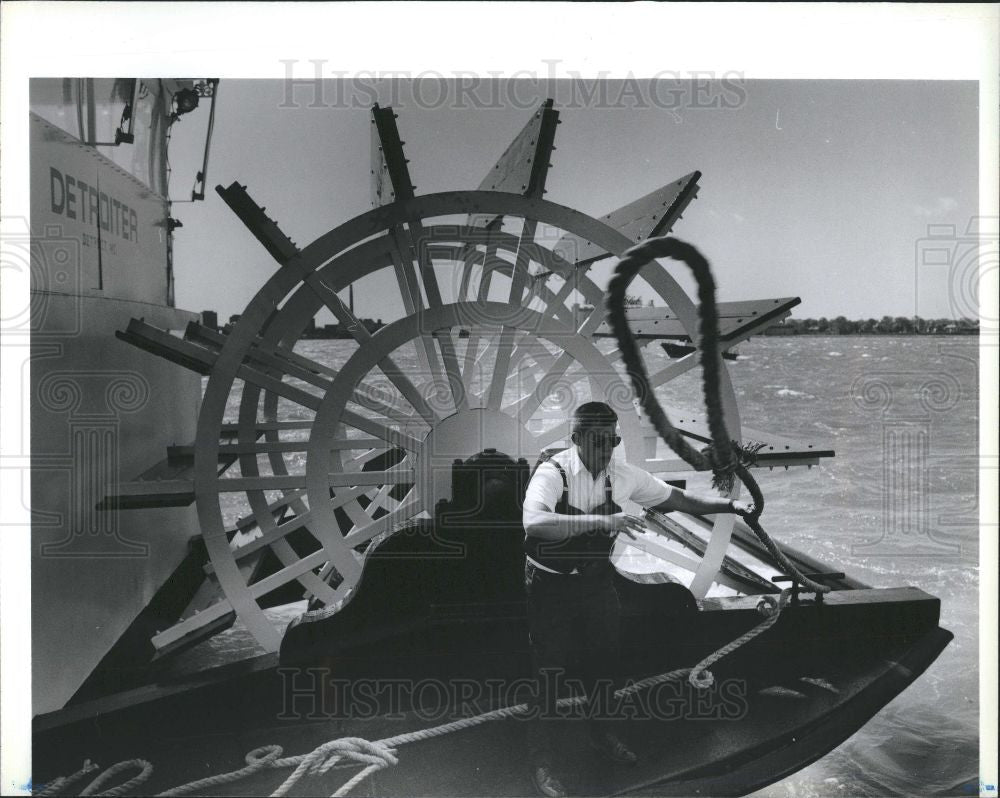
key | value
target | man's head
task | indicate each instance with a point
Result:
(595, 434)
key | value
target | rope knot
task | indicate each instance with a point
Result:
(263, 755)
(766, 606)
(702, 679)
(356, 749)
(726, 465)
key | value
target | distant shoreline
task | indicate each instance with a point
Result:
(829, 334)
(887, 325)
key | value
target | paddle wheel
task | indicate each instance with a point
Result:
(498, 343)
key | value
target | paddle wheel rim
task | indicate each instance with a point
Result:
(308, 267)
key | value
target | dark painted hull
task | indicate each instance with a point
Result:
(760, 722)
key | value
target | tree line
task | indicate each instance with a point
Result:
(887, 325)
(841, 325)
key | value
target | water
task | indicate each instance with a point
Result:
(901, 413)
(857, 392)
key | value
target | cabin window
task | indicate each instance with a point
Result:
(91, 110)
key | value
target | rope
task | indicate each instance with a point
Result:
(258, 759)
(145, 769)
(380, 754)
(64, 781)
(725, 458)
(701, 677)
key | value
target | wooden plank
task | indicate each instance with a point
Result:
(284, 361)
(778, 450)
(736, 320)
(263, 228)
(232, 429)
(185, 454)
(523, 167)
(180, 492)
(696, 428)
(673, 526)
(744, 537)
(652, 215)
(163, 344)
(390, 175)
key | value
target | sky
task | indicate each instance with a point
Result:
(830, 190)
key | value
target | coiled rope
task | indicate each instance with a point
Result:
(725, 458)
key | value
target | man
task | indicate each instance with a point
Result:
(572, 515)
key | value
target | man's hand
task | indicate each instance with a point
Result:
(742, 509)
(623, 522)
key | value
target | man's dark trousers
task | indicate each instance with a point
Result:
(573, 619)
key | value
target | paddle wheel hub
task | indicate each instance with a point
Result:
(452, 439)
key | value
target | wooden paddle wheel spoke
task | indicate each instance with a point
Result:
(482, 295)
(263, 518)
(365, 394)
(293, 481)
(544, 360)
(285, 528)
(360, 334)
(518, 280)
(408, 284)
(387, 434)
(318, 559)
(553, 305)
(417, 246)
(277, 507)
(555, 368)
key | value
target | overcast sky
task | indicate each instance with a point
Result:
(818, 189)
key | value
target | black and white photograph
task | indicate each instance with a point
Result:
(456, 399)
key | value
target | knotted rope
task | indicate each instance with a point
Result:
(379, 754)
(64, 781)
(727, 459)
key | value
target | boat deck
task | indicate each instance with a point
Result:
(779, 703)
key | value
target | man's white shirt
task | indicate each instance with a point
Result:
(628, 482)
(585, 492)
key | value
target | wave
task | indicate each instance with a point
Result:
(788, 393)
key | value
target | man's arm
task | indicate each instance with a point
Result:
(541, 522)
(696, 504)
(658, 495)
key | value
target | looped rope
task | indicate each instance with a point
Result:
(375, 755)
(379, 754)
(64, 781)
(701, 677)
(257, 759)
(727, 459)
(145, 769)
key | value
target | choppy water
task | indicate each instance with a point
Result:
(896, 506)
(901, 413)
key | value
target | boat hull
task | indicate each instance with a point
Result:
(101, 411)
(777, 704)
